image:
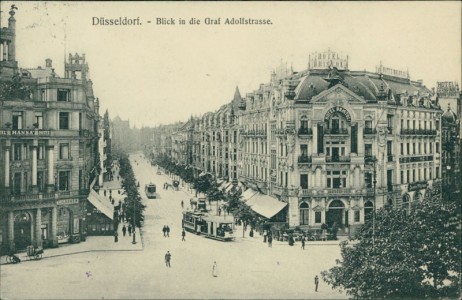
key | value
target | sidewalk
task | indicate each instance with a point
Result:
(257, 238)
(96, 243)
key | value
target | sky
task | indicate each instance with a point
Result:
(158, 74)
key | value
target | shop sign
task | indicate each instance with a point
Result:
(415, 186)
(67, 202)
(447, 89)
(25, 132)
(339, 109)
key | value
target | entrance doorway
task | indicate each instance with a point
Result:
(304, 213)
(335, 214)
(22, 230)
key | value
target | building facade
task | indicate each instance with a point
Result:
(48, 157)
(328, 143)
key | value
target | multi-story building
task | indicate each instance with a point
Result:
(341, 142)
(48, 157)
(329, 145)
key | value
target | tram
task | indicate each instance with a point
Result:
(150, 190)
(214, 227)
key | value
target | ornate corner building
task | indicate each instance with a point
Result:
(49, 149)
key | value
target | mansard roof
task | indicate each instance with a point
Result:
(364, 84)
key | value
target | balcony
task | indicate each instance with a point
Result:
(304, 159)
(370, 131)
(390, 130)
(338, 159)
(336, 131)
(48, 196)
(390, 157)
(428, 132)
(305, 131)
(368, 158)
(411, 159)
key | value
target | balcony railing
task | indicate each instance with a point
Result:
(335, 131)
(418, 131)
(48, 196)
(304, 159)
(338, 159)
(370, 131)
(305, 131)
(411, 159)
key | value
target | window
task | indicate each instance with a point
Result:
(402, 149)
(17, 120)
(64, 95)
(317, 217)
(63, 151)
(408, 149)
(304, 181)
(402, 177)
(38, 120)
(368, 149)
(368, 179)
(437, 150)
(43, 96)
(336, 179)
(63, 120)
(304, 150)
(41, 152)
(357, 215)
(390, 121)
(17, 151)
(389, 148)
(64, 180)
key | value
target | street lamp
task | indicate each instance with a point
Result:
(134, 223)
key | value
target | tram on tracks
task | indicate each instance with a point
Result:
(214, 227)
(150, 190)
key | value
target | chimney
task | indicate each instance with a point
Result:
(48, 63)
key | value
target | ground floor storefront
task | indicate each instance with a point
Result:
(47, 224)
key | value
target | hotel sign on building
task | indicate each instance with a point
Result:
(447, 89)
(25, 132)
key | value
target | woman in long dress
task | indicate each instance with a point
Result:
(214, 269)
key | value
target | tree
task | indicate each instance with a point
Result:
(202, 183)
(244, 213)
(415, 256)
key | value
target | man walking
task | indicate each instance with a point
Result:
(167, 259)
(124, 230)
(183, 234)
(182, 204)
(316, 282)
(164, 230)
(303, 242)
(168, 231)
(129, 230)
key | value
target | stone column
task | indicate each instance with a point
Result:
(11, 230)
(5, 57)
(315, 138)
(51, 169)
(7, 167)
(54, 227)
(34, 169)
(38, 228)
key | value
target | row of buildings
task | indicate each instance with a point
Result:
(54, 147)
(326, 144)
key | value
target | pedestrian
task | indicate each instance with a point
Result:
(118, 177)
(303, 242)
(164, 230)
(214, 269)
(124, 230)
(265, 233)
(112, 201)
(104, 193)
(168, 231)
(183, 234)
(129, 230)
(116, 237)
(182, 204)
(219, 211)
(316, 283)
(270, 241)
(168, 256)
(118, 191)
(110, 192)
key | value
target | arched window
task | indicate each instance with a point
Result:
(368, 210)
(304, 213)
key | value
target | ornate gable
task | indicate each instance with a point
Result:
(338, 93)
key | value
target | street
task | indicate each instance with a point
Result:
(247, 267)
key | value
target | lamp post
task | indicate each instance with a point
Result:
(134, 223)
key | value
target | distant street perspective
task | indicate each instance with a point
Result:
(194, 162)
(246, 267)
